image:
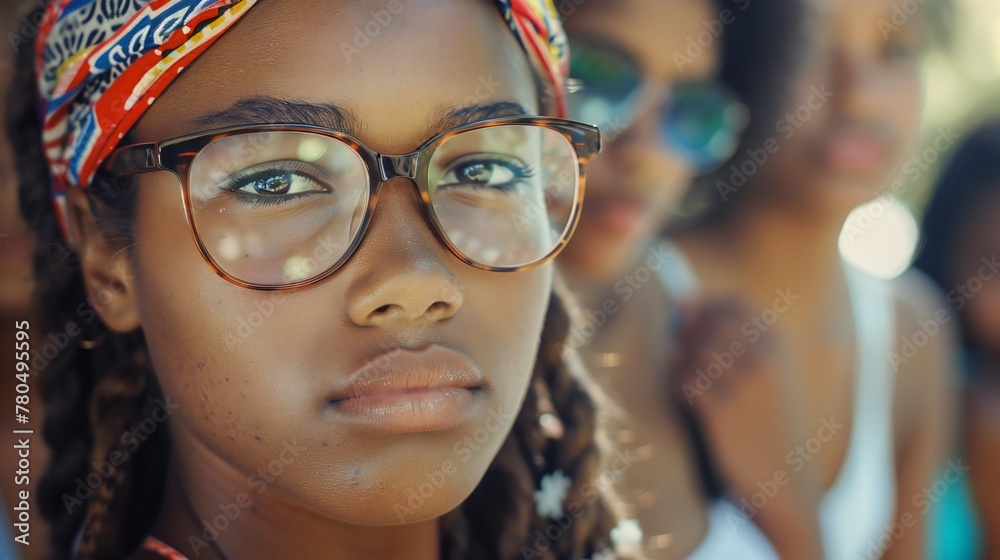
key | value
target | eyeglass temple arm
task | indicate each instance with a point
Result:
(134, 160)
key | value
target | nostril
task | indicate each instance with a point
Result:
(438, 307)
(407, 300)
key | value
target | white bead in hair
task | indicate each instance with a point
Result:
(550, 496)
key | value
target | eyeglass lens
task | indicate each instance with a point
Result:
(280, 207)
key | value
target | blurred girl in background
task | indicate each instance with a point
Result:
(819, 437)
(647, 72)
(960, 253)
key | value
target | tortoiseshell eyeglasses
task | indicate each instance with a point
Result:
(282, 206)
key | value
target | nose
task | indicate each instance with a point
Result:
(857, 82)
(424, 294)
(406, 278)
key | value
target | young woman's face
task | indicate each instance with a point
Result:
(856, 109)
(636, 182)
(266, 376)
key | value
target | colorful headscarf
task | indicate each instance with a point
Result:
(102, 63)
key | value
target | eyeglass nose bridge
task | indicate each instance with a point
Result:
(392, 166)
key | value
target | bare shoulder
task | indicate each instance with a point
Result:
(924, 353)
(917, 297)
(926, 324)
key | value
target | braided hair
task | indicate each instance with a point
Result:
(102, 491)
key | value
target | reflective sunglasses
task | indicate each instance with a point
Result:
(701, 121)
(282, 206)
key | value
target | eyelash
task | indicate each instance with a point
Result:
(520, 171)
(235, 183)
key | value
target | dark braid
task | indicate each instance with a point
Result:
(93, 396)
(499, 521)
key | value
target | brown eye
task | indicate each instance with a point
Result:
(484, 171)
(277, 184)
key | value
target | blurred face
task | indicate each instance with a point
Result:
(856, 110)
(636, 182)
(16, 240)
(405, 362)
(974, 282)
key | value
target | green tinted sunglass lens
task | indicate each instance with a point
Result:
(703, 123)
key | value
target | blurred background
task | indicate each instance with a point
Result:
(962, 85)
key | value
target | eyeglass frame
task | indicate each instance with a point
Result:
(177, 156)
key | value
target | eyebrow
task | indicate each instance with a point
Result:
(271, 110)
(460, 116)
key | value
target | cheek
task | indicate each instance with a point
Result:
(210, 346)
(504, 316)
(904, 104)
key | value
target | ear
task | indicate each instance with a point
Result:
(107, 270)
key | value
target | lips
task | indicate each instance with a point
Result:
(856, 151)
(406, 391)
(616, 213)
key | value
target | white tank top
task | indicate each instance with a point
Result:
(860, 506)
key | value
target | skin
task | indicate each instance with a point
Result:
(17, 245)
(402, 288)
(782, 232)
(656, 486)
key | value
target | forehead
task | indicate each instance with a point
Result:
(875, 16)
(655, 32)
(395, 66)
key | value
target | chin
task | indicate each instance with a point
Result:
(842, 194)
(392, 503)
(601, 255)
